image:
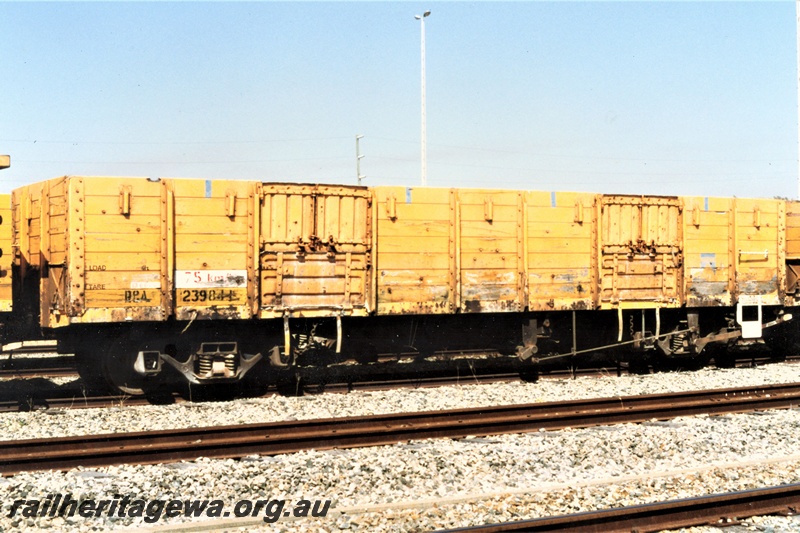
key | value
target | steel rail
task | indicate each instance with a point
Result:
(72, 400)
(44, 372)
(716, 509)
(291, 436)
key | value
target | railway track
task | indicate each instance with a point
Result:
(714, 510)
(44, 372)
(292, 436)
(28, 390)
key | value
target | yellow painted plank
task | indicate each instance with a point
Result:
(500, 213)
(123, 298)
(201, 297)
(132, 279)
(472, 261)
(559, 231)
(417, 212)
(113, 243)
(405, 261)
(209, 224)
(210, 261)
(316, 286)
(705, 259)
(484, 229)
(388, 229)
(415, 277)
(234, 243)
(418, 195)
(559, 245)
(124, 261)
(109, 205)
(550, 261)
(489, 245)
(793, 233)
(476, 197)
(110, 186)
(197, 188)
(432, 293)
(135, 224)
(420, 243)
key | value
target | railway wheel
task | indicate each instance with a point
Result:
(116, 366)
(88, 362)
(290, 384)
(529, 375)
(366, 355)
(722, 357)
(639, 366)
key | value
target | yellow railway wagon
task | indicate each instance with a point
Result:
(451, 250)
(208, 275)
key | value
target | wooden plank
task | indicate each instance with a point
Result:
(110, 186)
(482, 245)
(411, 244)
(131, 279)
(123, 298)
(477, 261)
(208, 224)
(109, 205)
(416, 277)
(405, 261)
(112, 243)
(124, 261)
(500, 213)
(198, 188)
(432, 295)
(559, 231)
(416, 195)
(476, 197)
(135, 224)
(210, 260)
(388, 229)
(209, 207)
(206, 297)
(558, 245)
(318, 286)
(707, 259)
(486, 230)
(417, 212)
(550, 261)
(538, 216)
(202, 243)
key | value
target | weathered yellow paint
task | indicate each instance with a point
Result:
(560, 261)
(209, 235)
(640, 250)
(315, 249)
(318, 250)
(205, 297)
(121, 298)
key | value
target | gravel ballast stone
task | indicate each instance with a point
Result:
(435, 483)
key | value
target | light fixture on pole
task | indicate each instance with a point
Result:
(797, 15)
(424, 140)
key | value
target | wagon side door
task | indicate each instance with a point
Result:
(640, 251)
(315, 250)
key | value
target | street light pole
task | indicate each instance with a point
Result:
(359, 157)
(797, 14)
(424, 140)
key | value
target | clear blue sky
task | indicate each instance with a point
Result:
(628, 97)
